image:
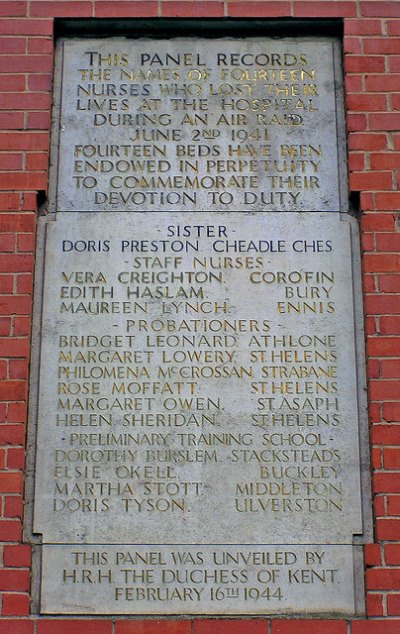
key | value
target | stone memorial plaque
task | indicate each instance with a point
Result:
(197, 385)
(198, 579)
(195, 125)
(199, 400)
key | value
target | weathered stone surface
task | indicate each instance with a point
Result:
(199, 382)
(197, 125)
(211, 379)
(198, 579)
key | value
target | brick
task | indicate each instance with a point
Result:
(37, 160)
(374, 604)
(24, 141)
(10, 530)
(356, 122)
(393, 27)
(376, 458)
(395, 102)
(366, 103)
(11, 482)
(381, 262)
(14, 580)
(394, 63)
(390, 325)
(10, 162)
(12, 347)
(38, 121)
(26, 242)
(3, 410)
(17, 222)
(363, 27)
(371, 180)
(382, 579)
(11, 120)
(16, 626)
(73, 626)
(26, 27)
(372, 554)
(354, 83)
(379, 9)
(393, 505)
(377, 222)
(336, 9)
(391, 412)
(59, 9)
(121, 9)
(379, 507)
(375, 627)
(153, 627)
(364, 64)
(362, 141)
(258, 9)
(17, 413)
(3, 369)
(198, 9)
(373, 367)
(5, 326)
(393, 604)
(391, 458)
(383, 390)
(17, 556)
(7, 242)
(16, 8)
(388, 200)
(352, 45)
(388, 530)
(385, 46)
(384, 160)
(16, 262)
(234, 626)
(38, 45)
(6, 284)
(22, 180)
(357, 162)
(309, 627)
(384, 121)
(13, 390)
(390, 368)
(392, 554)
(29, 202)
(25, 63)
(382, 83)
(389, 283)
(18, 369)
(15, 458)
(25, 283)
(22, 326)
(369, 280)
(15, 604)
(386, 482)
(12, 83)
(383, 304)
(40, 82)
(25, 101)
(382, 346)
(13, 506)
(13, 45)
(12, 434)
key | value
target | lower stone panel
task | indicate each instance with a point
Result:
(204, 579)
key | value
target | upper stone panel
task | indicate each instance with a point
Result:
(249, 124)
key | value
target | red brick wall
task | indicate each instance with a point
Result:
(372, 80)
